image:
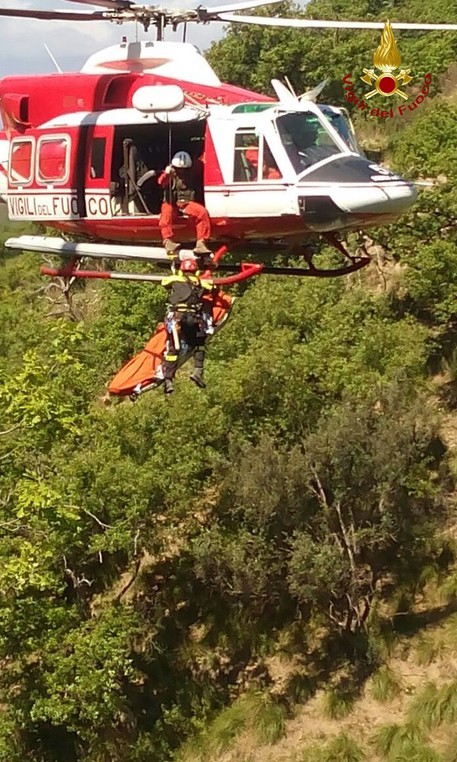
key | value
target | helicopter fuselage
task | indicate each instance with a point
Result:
(82, 153)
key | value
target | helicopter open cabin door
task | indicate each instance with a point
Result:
(45, 175)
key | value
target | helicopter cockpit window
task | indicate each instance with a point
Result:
(52, 159)
(20, 164)
(305, 139)
(249, 147)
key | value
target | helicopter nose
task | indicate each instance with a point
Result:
(351, 191)
(381, 197)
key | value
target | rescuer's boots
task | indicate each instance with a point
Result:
(168, 386)
(197, 378)
(170, 246)
(201, 247)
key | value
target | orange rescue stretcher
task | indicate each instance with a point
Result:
(145, 371)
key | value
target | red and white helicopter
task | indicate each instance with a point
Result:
(80, 151)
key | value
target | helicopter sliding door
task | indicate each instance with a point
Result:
(258, 186)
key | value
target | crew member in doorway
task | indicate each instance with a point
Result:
(185, 321)
(179, 195)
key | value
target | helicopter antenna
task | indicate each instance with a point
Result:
(160, 24)
(184, 31)
(53, 59)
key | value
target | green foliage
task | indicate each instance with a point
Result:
(425, 149)
(251, 56)
(151, 555)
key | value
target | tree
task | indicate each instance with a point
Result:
(328, 521)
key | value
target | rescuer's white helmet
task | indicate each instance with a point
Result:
(181, 160)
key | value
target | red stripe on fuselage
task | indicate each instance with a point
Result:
(224, 230)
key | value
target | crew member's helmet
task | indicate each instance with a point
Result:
(189, 265)
(181, 160)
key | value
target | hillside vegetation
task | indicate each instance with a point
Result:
(265, 570)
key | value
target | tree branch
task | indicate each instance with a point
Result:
(99, 522)
(8, 431)
(319, 492)
(345, 537)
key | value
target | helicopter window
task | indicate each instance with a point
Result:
(305, 139)
(20, 165)
(270, 170)
(53, 159)
(246, 156)
(97, 162)
(248, 148)
(249, 108)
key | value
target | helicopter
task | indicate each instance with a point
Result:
(80, 152)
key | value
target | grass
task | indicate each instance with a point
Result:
(385, 685)
(300, 688)
(404, 743)
(255, 712)
(435, 706)
(429, 648)
(220, 734)
(435, 645)
(451, 751)
(342, 748)
(269, 720)
(338, 703)
(226, 727)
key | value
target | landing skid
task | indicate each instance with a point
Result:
(240, 272)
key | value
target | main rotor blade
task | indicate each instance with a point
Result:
(112, 5)
(318, 24)
(239, 6)
(55, 15)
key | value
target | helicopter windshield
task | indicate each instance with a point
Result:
(305, 139)
(341, 122)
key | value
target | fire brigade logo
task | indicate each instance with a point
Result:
(386, 59)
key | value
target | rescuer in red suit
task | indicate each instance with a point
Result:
(179, 194)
